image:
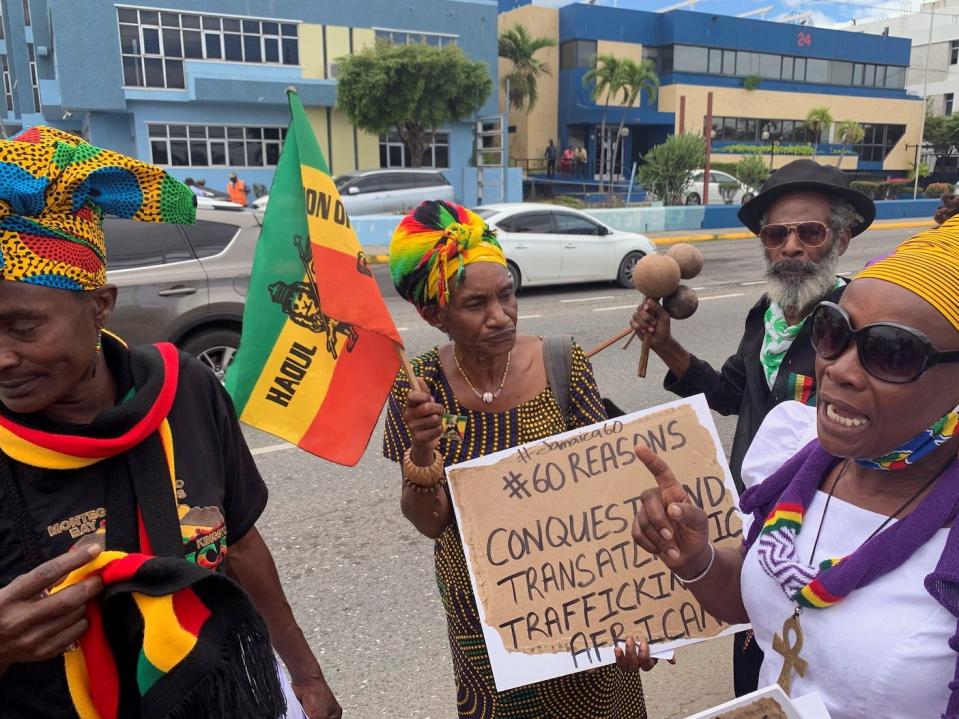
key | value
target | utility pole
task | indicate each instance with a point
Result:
(925, 87)
(505, 144)
(708, 136)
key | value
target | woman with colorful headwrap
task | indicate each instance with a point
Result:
(486, 390)
(850, 570)
(123, 477)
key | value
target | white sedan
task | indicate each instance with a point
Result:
(694, 190)
(550, 244)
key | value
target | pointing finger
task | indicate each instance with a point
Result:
(665, 479)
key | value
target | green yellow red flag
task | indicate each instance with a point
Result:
(319, 350)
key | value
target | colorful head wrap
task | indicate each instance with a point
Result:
(926, 265)
(54, 190)
(433, 245)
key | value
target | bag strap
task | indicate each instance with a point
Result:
(558, 358)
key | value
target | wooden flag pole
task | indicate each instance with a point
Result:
(611, 341)
(415, 382)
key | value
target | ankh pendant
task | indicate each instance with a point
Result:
(790, 651)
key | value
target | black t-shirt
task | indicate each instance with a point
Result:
(219, 490)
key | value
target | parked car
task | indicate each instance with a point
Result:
(694, 191)
(369, 192)
(184, 284)
(548, 244)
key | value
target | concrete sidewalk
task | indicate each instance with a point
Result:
(379, 254)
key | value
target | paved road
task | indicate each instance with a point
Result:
(360, 578)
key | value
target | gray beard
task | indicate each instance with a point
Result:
(796, 285)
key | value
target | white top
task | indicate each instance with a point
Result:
(881, 653)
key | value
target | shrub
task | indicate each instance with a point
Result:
(869, 189)
(752, 171)
(892, 188)
(668, 168)
(937, 190)
(728, 167)
(728, 190)
(751, 82)
(767, 149)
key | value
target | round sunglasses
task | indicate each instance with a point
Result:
(888, 351)
(811, 233)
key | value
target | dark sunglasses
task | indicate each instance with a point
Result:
(893, 353)
(811, 233)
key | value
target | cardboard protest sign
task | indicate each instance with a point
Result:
(546, 529)
(768, 703)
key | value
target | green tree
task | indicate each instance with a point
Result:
(817, 120)
(517, 46)
(936, 135)
(606, 78)
(752, 172)
(637, 77)
(668, 168)
(849, 133)
(414, 89)
(952, 130)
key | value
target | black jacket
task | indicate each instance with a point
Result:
(741, 387)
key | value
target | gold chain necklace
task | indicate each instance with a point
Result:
(487, 397)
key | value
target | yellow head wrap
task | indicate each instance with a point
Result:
(926, 265)
(433, 245)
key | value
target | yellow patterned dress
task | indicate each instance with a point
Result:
(605, 693)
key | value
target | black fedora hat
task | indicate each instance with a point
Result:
(806, 176)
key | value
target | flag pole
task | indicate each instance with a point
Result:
(408, 368)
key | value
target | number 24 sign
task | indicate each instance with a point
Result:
(804, 39)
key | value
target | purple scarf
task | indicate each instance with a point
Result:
(795, 484)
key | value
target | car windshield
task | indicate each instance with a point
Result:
(342, 181)
(484, 212)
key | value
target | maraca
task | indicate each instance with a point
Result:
(656, 276)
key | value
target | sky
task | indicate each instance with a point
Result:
(824, 13)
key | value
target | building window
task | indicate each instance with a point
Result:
(155, 44)
(215, 145)
(409, 37)
(7, 85)
(690, 59)
(34, 80)
(947, 103)
(393, 152)
(577, 53)
(2, 33)
(26, 13)
(749, 130)
(878, 141)
(954, 52)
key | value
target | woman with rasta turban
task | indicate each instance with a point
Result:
(850, 570)
(123, 478)
(493, 383)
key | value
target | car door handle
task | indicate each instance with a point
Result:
(177, 291)
(520, 246)
(570, 245)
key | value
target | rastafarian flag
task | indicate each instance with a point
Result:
(318, 353)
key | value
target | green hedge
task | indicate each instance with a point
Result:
(728, 167)
(869, 189)
(936, 190)
(767, 149)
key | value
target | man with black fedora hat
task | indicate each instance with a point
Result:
(805, 216)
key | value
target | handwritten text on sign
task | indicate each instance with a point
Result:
(547, 531)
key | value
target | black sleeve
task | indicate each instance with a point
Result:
(245, 493)
(724, 390)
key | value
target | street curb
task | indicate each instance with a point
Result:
(703, 237)
(675, 240)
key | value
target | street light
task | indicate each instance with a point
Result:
(767, 136)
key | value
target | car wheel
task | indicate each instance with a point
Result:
(693, 198)
(514, 275)
(625, 275)
(215, 348)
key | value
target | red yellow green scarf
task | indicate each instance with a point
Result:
(202, 649)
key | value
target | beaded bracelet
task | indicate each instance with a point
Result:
(702, 575)
(423, 479)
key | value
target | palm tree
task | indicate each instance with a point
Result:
(637, 77)
(517, 46)
(849, 133)
(817, 120)
(606, 77)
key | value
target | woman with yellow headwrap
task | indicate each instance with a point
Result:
(485, 390)
(128, 496)
(850, 570)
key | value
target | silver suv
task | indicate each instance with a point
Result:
(184, 284)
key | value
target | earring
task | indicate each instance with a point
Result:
(98, 351)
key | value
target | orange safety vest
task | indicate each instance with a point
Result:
(237, 192)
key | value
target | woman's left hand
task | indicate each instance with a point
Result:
(317, 700)
(634, 656)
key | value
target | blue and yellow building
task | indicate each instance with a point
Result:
(199, 86)
(789, 69)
